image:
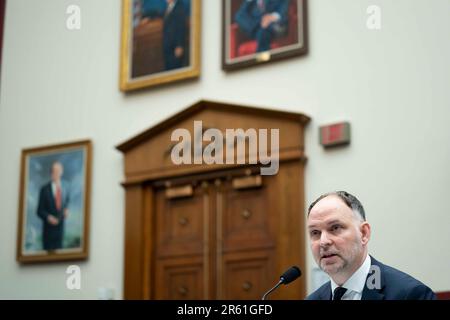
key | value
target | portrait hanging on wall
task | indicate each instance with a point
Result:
(260, 31)
(160, 42)
(53, 221)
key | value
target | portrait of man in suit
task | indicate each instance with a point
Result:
(53, 219)
(262, 31)
(167, 27)
(160, 42)
(175, 34)
(263, 20)
(339, 235)
(53, 208)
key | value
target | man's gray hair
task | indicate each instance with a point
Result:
(350, 200)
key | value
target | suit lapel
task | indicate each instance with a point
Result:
(51, 197)
(325, 294)
(63, 194)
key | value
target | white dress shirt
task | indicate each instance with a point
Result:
(355, 284)
(170, 7)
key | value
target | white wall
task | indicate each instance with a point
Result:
(392, 85)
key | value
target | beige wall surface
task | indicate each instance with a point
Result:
(392, 84)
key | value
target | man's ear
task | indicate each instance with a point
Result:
(365, 232)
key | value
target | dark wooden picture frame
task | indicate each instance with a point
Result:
(160, 42)
(247, 40)
(54, 195)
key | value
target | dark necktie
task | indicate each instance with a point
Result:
(338, 293)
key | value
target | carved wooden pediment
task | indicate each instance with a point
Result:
(148, 155)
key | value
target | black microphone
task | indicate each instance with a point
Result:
(287, 277)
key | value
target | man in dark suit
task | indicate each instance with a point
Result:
(53, 208)
(263, 20)
(339, 234)
(175, 35)
(175, 14)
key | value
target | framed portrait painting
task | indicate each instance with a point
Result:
(53, 221)
(260, 31)
(160, 42)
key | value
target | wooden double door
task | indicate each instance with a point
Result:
(214, 239)
(218, 238)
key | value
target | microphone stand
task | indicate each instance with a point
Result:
(276, 286)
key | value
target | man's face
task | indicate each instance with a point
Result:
(57, 171)
(336, 240)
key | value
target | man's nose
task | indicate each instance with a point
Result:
(325, 240)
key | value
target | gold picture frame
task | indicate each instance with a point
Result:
(54, 195)
(160, 43)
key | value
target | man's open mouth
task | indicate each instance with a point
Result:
(328, 255)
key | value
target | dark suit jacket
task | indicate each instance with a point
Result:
(47, 204)
(175, 35)
(52, 235)
(395, 285)
(249, 15)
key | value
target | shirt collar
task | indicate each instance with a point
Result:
(171, 5)
(358, 279)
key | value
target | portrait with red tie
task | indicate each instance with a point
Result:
(54, 203)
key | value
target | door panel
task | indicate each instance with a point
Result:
(180, 224)
(180, 279)
(246, 275)
(245, 219)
